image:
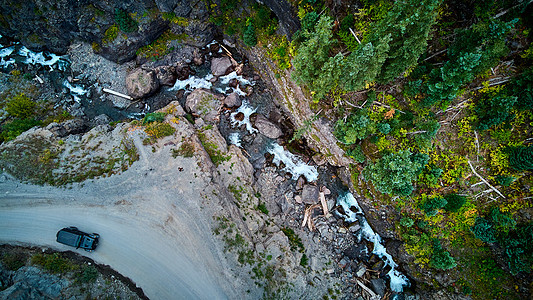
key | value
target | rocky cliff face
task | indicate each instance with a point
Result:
(53, 25)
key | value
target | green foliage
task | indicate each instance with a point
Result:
(484, 230)
(522, 88)
(21, 106)
(428, 130)
(406, 222)
(432, 205)
(356, 127)
(304, 260)
(357, 154)
(494, 109)
(313, 54)
(109, 36)
(87, 274)
(394, 172)
(430, 175)
(441, 259)
(186, 149)
(124, 21)
(158, 130)
(249, 36)
(383, 128)
(14, 261)
(153, 117)
(505, 180)
(11, 130)
(521, 158)
(454, 202)
(53, 263)
(161, 46)
(262, 208)
(408, 23)
(518, 246)
(294, 240)
(445, 82)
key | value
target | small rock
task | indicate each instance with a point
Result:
(360, 270)
(141, 83)
(325, 190)
(342, 230)
(354, 227)
(102, 119)
(267, 128)
(378, 265)
(378, 286)
(220, 65)
(310, 194)
(330, 271)
(232, 100)
(298, 199)
(300, 183)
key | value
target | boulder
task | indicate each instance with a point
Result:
(357, 252)
(205, 104)
(220, 65)
(68, 127)
(310, 194)
(102, 119)
(267, 128)
(141, 83)
(232, 100)
(166, 75)
(379, 287)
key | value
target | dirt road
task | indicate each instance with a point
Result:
(155, 224)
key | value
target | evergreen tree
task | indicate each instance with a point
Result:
(124, 21)
(249, 37)
(313, 54)
(394, 172)
(521, 158)
(409, 24)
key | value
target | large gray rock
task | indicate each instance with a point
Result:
(166, 75)
(310, 194)
(73, 126)
(378, 285)
(205, 104)
(232, 100)
(141, 83)
(267, 128)
(220, 65)
(32, 283)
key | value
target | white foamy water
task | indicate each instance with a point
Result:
(293, 164)
(233, 75)
(193, 83)
(52, 61)
(397, 279)
(235, 139)
(247, 110)
(75, 90)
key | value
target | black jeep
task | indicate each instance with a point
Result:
(71, 236)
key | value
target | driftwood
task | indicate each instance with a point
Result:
(355, 36)
(307, 217)
(41, 81)
(117, 94)
(373, 295)
(483, 179)
(324, 204)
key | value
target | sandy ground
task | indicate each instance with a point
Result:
(155, 222)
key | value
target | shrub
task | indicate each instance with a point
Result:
(483, 230)
(431, 205)
(394, 172)
(521, 158)
(262, 208)
(249, 37)
(124, 21)
(14, 261)
(519, 248)
(153, 117)
(87, 274)
(441, 259)
(21, 106)
(430, 175)
(54, 263)
(357, 154)
(158, 130)
(455, 202)
(13, 129)
(493, 110)
(505, 180)
(522, 87)
(407, 222)
(383, 128)
(356, 127)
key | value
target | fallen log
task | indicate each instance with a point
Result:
(117, 94)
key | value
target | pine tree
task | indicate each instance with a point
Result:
(124, 21)
(313, 54)
(521, 158)
(394, 172)
(249, 37)
(409, 24)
